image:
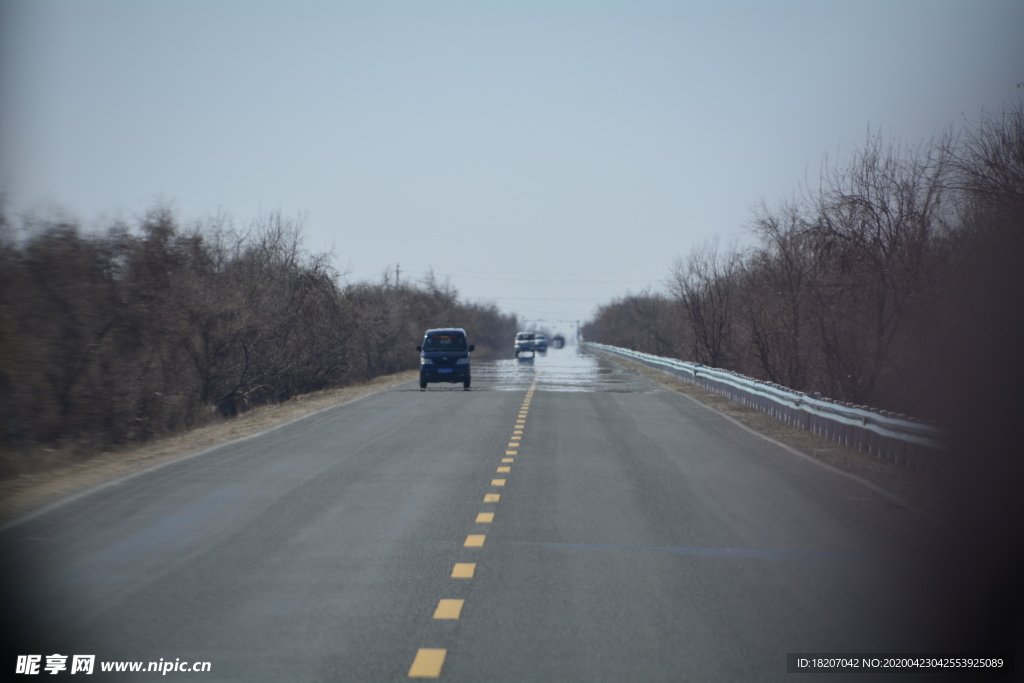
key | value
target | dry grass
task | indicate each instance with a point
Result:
(48, 475)
(919, 489)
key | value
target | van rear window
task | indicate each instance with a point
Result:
(444, 343)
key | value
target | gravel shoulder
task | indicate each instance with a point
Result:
(921, 490)
(53, 475)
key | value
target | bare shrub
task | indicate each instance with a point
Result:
(134, 333)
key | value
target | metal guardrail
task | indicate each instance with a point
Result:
(889, 436)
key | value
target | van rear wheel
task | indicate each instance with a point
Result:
(423, 385)
(465, 384)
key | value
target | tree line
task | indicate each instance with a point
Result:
(903, 263)
(124, 335)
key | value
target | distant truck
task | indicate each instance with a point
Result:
(525, 341)
(558, 341)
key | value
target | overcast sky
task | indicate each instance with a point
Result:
(544, 155)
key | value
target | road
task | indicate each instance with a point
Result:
(635, 536)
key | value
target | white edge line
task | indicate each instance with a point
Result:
(70, 498)
(892, 497)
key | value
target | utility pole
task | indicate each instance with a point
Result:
(398, 272)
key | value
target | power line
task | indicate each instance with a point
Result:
(541, 278)
(516, 273)
(531, 298)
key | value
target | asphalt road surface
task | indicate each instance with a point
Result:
(600, 528)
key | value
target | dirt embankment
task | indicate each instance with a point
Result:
(47, 475)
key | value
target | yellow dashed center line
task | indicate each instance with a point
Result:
(463, 570)
(428, 663)
(448, 609)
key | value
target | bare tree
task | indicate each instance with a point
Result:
(705, 284)
(874, 219)
(777, 279)
(647, 322)
(904, 261)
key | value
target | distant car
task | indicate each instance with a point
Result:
(525, 341)
(444, 357)
(540, 342)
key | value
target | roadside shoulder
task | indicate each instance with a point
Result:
(917, 490)
(63, 476)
